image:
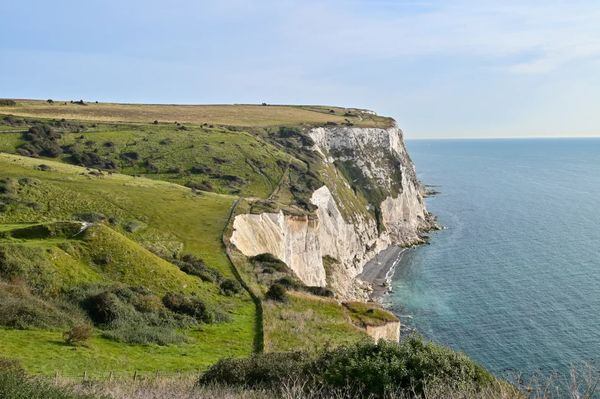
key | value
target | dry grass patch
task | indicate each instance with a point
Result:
(233, 115)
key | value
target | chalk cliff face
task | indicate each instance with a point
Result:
(373, 166)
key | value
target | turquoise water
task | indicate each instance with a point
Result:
(514, 280)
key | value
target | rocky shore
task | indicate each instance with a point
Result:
(378, 272)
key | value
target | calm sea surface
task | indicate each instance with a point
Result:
(514, 280)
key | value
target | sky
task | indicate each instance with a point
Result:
(442, 69)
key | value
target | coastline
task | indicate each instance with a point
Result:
(378, 272)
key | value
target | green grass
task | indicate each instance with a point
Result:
(173, 214)
(307, 323)
(367, 314)
(165, 152)
(44, 351)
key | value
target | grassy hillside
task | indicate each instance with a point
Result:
(112, 219)
(110, 253)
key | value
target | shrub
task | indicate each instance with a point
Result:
(200, 170)
(150, 166)
(260, 370)
(92, 160)
(15, 384)
(188, 305)
(202, 186)
(130, 156)
(196, 267)
(368, 369)
(230, 287)
(320, 291)
(102, 308)
(277, 292)
(79, 334)
(44, 168)
(42, 140)
(90, 217)
(144, 335)
(134, 225)
(290, 283)
(388, 367)
(132, 314)
(266, 257)
(22, 310)
(269, 261)
(7, 103)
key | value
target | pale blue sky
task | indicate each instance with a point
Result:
(441, 68)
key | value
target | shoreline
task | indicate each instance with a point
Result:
(378, 272)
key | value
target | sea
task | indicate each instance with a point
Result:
(513, 279)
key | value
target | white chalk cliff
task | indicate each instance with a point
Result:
(378, 157)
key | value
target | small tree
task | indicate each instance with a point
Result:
(78, 334)
(277, 292)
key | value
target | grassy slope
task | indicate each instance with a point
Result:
(232, 115)
(307, 322)
(167, 211)
(171, 213)
(167, 147)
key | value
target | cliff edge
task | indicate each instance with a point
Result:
(370, 198)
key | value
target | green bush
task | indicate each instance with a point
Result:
(7, 103)
(320, 291)
(90, 217)
(134, 315)
(144, 335)
(20, 262)
(42, 140)
(260, 370)
(92, 160)
(79, 334)
(15, 384)
(267, 260)
(196, 267)
(368, 369)
(133, 226)
(390, 367)
(21, 309)
(103, 308)
(290, 283)
(230, 287)
(277, 292)
(188, 305)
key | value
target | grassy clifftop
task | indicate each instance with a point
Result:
(231, 115)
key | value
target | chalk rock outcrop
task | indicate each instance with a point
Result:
(389, 331)
(372, 163)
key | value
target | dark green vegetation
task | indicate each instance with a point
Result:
(368, 369)
(15, 384)
(7, 103)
